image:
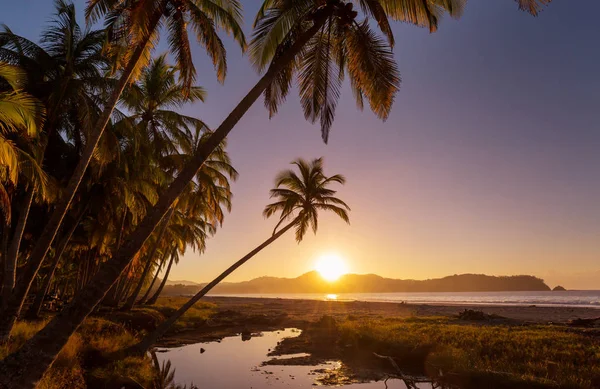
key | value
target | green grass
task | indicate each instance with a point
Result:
(545, 354)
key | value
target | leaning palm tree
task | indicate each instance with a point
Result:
(135, 25)
(292, 33)
(299, 200)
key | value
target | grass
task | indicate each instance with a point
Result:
(83, 364)
(196, 315)
(470, 355)
(551, 355)
(66, 371)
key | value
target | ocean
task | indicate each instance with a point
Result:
(572, 298)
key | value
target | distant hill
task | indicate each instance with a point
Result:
(312, 282)
(183, 282)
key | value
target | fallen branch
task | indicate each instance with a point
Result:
(410, 382)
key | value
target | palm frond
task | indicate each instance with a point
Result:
(372, 68)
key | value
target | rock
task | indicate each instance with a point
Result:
(246, 335)
(558, 288)
(471, 314)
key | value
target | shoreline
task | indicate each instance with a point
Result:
(324, 297)
(532, 313)
(234, 315)
(547, 345)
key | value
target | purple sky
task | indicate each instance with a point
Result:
(489, 162)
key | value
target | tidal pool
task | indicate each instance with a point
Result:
(234, 363)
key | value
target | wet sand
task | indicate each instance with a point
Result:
(310, 310)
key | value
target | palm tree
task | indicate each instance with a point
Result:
(149, 260)
(21, 116)
(159, 266)
(152, 99)
(286, 28)
(124, 26)
(174, 259)
(63, 72)
(299, 200)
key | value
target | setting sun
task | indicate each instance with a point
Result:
(331, 267)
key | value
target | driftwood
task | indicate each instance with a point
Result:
(410, 382)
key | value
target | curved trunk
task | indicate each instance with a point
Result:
(160, 266)
(15, 302)
(153, 299)
(10, 260)
(19, 368)
(150, 339)
(34, 309)
(131, 300)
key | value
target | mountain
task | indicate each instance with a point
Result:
(183, 282)
(312, 282)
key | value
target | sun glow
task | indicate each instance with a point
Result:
(331, 267)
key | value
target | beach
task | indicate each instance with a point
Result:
(234, 314)
(474, 346)
(311, 309)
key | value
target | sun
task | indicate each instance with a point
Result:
(331, 267)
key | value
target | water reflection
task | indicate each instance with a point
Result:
(331, 297)
(234, 363)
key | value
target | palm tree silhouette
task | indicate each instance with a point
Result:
(299, 199)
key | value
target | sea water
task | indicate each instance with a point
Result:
(571, 298)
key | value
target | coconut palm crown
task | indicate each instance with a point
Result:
(302, 196)
(345, 43)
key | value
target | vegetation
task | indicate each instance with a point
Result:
(523, 355)
(300, 198)
(86, 359)
(119, 182)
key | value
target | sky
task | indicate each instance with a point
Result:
(489, 162)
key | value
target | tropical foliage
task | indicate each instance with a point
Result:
(300, 197)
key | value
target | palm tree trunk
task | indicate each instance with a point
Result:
(15, 302)
(153, 299)
(121, 287)
(4, 232)
(10, 260)
(150, 339)
(19, 368)
(131, 301)
(34, 309)
(162, 262)
(111, 297)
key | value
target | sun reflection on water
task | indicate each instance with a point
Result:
(331, 297)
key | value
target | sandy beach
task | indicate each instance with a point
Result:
(310, 310)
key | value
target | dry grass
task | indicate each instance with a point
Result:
(66, 371)
(196, 315)
(545, 354)
(100, 337)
